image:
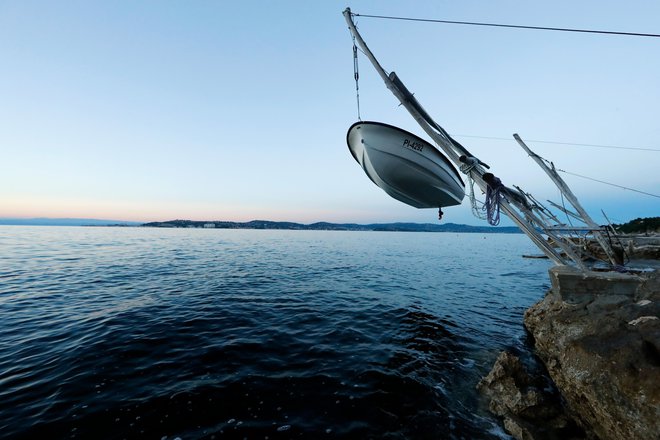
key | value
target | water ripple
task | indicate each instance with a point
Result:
(143, 333)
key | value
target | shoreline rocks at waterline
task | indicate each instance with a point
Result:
(598, 335)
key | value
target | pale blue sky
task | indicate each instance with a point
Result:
(239, 110)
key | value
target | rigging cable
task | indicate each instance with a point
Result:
(563, 204)
(514, 26)
(610, 228)
(552, 165)
(618, 147)
(608, 183)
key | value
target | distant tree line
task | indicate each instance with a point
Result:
(649, 224)
(325, 226)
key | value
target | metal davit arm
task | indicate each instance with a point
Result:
(454, 150)
(582, 214)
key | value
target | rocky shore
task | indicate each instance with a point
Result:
(598, 337)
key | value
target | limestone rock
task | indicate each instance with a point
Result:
(530, 407)
(602, 350)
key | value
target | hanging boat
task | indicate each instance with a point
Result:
(405, 166)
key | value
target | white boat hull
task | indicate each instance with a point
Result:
(405, 166)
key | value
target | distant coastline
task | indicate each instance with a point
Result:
(326, 226)
(648, 225)
(265, 224)
(47, 221)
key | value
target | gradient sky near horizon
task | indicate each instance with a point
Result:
(213, 110)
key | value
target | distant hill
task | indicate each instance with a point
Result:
(325, 226)
(65, 222)
(640, 225)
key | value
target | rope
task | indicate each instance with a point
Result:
(477, 211)
(492, 203)
(490, 209)
(514, 26)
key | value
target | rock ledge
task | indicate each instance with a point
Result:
(599, 337)
(598, 334)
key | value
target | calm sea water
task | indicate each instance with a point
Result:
(112, 333)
